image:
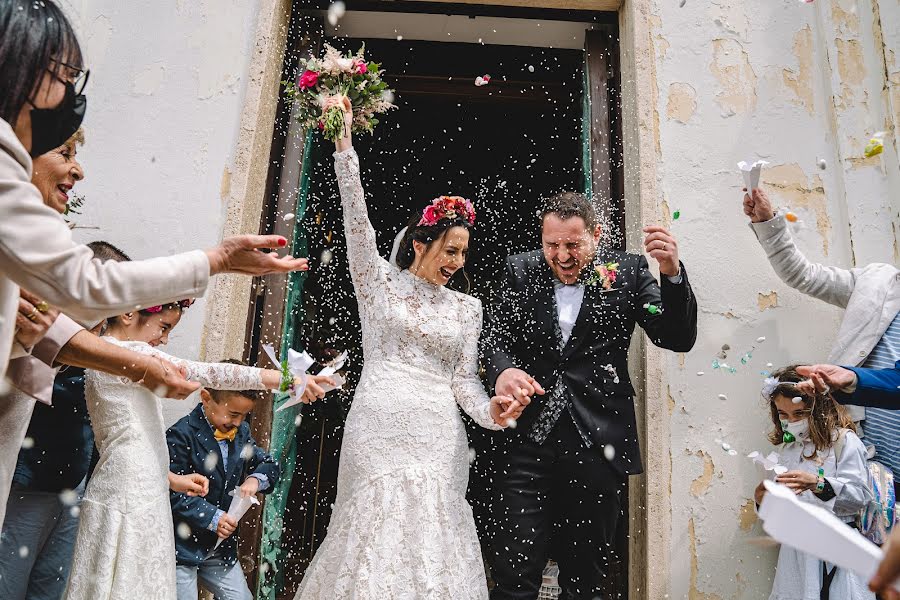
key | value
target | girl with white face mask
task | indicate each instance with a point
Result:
(826, 466)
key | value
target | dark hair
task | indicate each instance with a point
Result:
(35, 37)
(218, 396)
(825, 415)
(106, 251)
(426, 234)
(566, 205)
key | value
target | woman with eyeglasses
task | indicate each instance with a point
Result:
(42, 79)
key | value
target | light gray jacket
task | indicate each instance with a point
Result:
(870, 294)
(38, 253)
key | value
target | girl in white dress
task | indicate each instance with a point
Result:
(401, 526)
(125, 548)
(826, 464)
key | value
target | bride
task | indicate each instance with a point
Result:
(401, 526)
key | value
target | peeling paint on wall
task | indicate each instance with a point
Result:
(799, 81)
(747, 516)
(682, 102)
(852, 71)
(225, 186)
(767, 301)
(794, 190)
(148, 80)
(694, 593)
(736, 78)
(701, 484)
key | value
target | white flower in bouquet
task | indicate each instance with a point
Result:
(322, 85)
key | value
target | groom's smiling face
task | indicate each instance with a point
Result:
(569, 246)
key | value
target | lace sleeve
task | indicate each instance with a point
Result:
(362, 251)
(219, 376)
(467, 387)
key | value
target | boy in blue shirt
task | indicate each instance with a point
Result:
(214, 440)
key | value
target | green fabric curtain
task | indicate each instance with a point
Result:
(284, 427)
(586, 132)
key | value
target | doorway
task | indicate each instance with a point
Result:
(506, 146)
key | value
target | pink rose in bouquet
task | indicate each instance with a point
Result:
(309, 79)
(361, 67)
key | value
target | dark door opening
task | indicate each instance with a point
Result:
(506, 146)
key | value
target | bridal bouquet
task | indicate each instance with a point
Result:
(323, 83)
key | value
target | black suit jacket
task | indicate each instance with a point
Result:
(190, 441)
(519, 332)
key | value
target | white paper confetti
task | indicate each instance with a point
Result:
(760, 340)
(247, 451)
(68, 497)
(28, 443)
(336, 12)
(609, 452)
(183, 530)
(288, 217)
(23, 552)
(511, 423)
(797, 400)
(723, 397)
(210, 462)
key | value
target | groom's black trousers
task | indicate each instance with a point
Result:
(557, 500)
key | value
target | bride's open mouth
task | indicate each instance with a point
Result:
(447, 273)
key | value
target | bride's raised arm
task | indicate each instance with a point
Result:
(362, 250)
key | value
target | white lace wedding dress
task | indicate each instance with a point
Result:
(125, 547)
(401, 527)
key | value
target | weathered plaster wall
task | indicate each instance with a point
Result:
(166, 91)
(790, 83)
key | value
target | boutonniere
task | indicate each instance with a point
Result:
(603, 275)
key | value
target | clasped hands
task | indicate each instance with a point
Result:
(514, 389)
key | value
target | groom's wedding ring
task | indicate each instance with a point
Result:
(42, 306)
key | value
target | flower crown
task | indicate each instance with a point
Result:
(158, 308)
(448, 207)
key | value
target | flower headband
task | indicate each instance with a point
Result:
(448, 207)
(158, 309)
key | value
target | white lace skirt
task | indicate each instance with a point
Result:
(123, 555)
(401, 527)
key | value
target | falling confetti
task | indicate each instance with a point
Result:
(28, 443)
(247, 452)
(23, 552)
(682, 3)
(875, 145)
(288, 217)
(732, 452)
(609, 451)
(676, 215)
(75, 511)
(791, 217)
(482, 80)
(760, 340)
(210, 462)
(184, 531)
(511, 423)
(726, 446)
(822, 164)
(700, 373)
(796, 399)
(326, 257)
(723, 397)
(531, 68)
(471, 455)
(68, 497)
(336, 12)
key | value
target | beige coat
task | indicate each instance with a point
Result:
(38, 253)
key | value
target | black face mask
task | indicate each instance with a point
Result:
(51, 127)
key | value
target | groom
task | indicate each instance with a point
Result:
(559, 336)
